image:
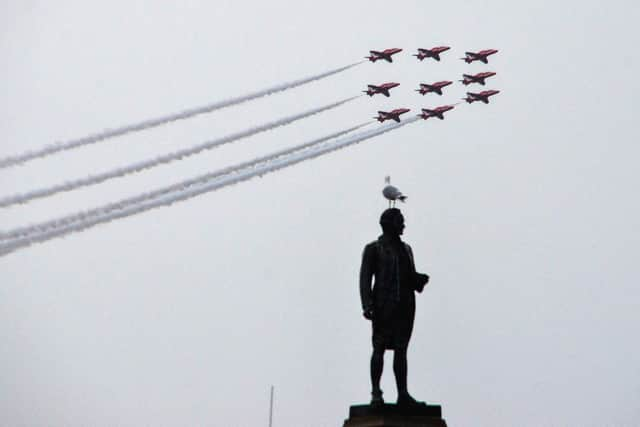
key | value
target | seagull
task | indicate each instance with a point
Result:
(392, 193)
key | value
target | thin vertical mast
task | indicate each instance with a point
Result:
(271, 408)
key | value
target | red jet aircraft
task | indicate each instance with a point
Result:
(478, 56)
(383, 89)
(391, 115)
(434, 87)
(431, 53)
(436, 112)
(385, 54)
(482, 96)
(476, 78)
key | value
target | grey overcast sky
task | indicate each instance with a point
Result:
(525, 213)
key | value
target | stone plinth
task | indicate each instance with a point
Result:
(389, 415)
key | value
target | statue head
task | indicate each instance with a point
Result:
(392, 222)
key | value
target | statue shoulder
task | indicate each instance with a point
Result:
(373, 244)
(371, 248)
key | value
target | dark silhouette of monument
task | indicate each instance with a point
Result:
(390, 306)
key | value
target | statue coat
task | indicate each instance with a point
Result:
(391, 298)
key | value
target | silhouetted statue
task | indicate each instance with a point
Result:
(390, 304)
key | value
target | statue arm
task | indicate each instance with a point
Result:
(366, 274)
(421, 279)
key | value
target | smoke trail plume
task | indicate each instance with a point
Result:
(167, 158)
(150, 123)
(226, 180)
(39, 228)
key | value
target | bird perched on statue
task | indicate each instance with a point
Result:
(391, 193)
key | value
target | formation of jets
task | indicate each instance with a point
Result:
(436, 87)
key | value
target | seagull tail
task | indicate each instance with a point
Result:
(402, 198)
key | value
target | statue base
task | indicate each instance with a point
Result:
(389, 415)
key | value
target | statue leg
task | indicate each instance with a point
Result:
(377, 364)
(400, 370)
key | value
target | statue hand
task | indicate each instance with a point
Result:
(368, 314)
(422, 280)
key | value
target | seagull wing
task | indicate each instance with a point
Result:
(392, 193)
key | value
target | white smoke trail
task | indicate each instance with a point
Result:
(167, 158)
(39, 228)
(150, 123)
(187, 193)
